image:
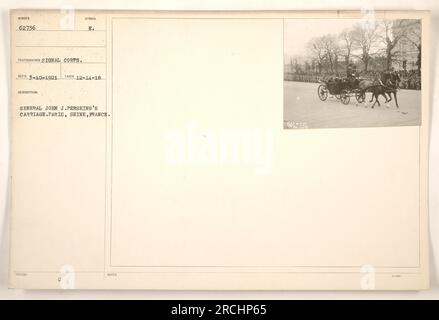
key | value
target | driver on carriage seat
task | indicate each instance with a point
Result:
(351, 71)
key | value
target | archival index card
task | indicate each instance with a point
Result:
(219, 150)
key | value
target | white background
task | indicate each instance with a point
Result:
(432, 5)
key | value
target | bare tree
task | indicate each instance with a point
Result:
(317, 50)
(364, 40)
(347, 43)
(413, 35)
(325, 51)
(296, 64)
(375, 45)
(391, 32)
(331, 51)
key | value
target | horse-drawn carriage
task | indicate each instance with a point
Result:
(341, 88)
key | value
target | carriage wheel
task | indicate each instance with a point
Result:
(360, 96)
(345, 97)
(322, 91)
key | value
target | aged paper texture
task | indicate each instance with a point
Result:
(152, 150)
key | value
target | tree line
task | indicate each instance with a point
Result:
(373, 43)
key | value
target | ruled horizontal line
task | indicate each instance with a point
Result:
(90, 80)
(27, 46)
(46, 63)
(216, 272)
(59, 30)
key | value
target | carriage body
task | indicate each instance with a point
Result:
(335, 87)
(341, 88)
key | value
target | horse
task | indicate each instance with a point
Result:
(391, 80)
(383, 90)
(364, 86)
(377, 88)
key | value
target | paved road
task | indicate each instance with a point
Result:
(303, 108)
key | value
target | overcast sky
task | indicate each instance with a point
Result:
(298, 32)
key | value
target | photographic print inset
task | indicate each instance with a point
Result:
(347, 73)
